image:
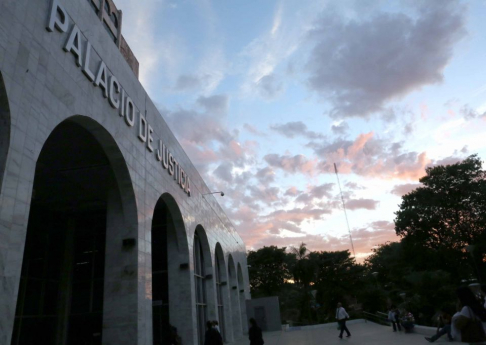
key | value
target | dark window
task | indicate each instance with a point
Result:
(199, 279)
(219, 293)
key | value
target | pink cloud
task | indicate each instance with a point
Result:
(292, 191)
(370, 156)
(367, 204)
(364, 239)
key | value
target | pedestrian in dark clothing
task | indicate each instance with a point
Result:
(397, 318)
(444, 319)
(393, 315)
(341, 317)
(255, 333)
(212, 336)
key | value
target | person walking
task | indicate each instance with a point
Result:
(255, 333)
(342, 316)
(212, 336)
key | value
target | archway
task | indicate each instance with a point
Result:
(76, 210)
(235, 303)
(171, 279)
(241, 287)
(222, 294)
(203, 287)
(4, 128)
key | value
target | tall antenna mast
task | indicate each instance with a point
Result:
(344, 208)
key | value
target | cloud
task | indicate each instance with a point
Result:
(253, 130)
(448, 160)
(291, 164)
(340, 128)
(297, 128)
(470, 113)
(406, 188)
(366, 204)
(370, 156)
(187, 82)
(292, 191)
(264, 194)
(364, 239)
(361, 64)
(292, 219)
(214, 104)
(265, 176)
(223, 171)
(270, 86)
(316, 192)
(353, 186)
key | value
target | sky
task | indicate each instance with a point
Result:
(265, 96)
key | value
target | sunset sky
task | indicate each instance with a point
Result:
(265, 96)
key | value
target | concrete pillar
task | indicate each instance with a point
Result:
(120, 306)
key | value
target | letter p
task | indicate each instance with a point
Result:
(57, 18)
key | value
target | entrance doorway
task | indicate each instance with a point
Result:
(60, 298)
(170, 274)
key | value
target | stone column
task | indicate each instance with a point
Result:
(120, 306)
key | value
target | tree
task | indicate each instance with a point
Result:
(337, 277)
(303, 268)
(448, 213)
(269, 270)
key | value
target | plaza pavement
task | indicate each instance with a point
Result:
(362, 333)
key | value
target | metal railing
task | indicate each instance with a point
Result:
(377, 317)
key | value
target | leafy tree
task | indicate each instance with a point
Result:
(303, 268)
(269, 270)
(449, 211)
(303, 272)
(337, 277)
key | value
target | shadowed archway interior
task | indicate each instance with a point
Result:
(170, 273)
(61, 291)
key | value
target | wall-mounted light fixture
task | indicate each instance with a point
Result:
(184, 266)
(129, 243)
(208, 276)
(222, 193)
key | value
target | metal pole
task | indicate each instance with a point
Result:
(344, 208)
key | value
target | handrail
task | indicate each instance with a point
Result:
(383, 318)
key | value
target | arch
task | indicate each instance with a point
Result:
(83, 205)
(242, 298)
(171, 278)
(4, 128)
(235, 304)
(222, 294)
(203, 283)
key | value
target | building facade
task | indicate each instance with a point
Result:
(108, 234)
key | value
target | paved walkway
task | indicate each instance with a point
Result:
(361, 333)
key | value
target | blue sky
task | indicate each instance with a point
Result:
(278, 91)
